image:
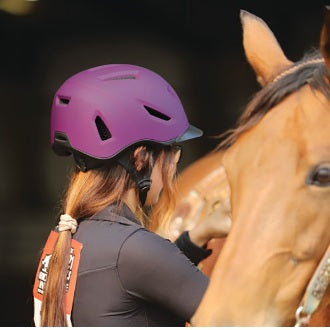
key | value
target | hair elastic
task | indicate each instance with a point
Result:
(67, 223)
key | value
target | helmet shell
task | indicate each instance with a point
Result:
(103, 110)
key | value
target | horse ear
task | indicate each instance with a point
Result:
(325, 38)
(262, 49)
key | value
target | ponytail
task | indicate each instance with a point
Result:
(53, 305)
(87, 194)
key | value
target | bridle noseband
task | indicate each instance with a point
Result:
(315, 291)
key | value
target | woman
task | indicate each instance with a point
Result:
(122, 124)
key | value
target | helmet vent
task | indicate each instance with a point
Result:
(60, 137)
(122, 78)
(102, 129)
(119, 75)
(63, 100)
(61, 144)
(156, 113)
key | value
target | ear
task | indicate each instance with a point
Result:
(325, 38)
(262, 49)
(140, 157)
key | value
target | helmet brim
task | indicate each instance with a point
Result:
(191, 133)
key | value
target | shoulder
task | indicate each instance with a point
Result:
(101, 241)
(144, 239)
(143, 244)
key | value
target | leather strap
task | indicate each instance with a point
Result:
(315, 290)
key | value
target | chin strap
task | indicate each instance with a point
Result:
(141, 178)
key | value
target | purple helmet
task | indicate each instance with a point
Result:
(101, 111)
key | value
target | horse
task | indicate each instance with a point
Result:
(276, 167)
(202, 190)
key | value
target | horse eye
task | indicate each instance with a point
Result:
(320, 176)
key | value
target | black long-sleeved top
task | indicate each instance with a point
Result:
(129, 276)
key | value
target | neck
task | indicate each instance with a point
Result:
(130, 200)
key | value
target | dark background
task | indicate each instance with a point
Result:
(194, 44)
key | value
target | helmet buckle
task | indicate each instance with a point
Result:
(144, 184)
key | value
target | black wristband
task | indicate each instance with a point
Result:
(194, 252)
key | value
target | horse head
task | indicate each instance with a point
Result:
(277, 163)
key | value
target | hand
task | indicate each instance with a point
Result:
(215, 225)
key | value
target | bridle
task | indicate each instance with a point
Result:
(296, 67)
(315, 291)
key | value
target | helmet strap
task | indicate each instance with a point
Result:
(143, 186)
(141, 178)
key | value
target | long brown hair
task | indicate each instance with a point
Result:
(87, 194)
(162, 212)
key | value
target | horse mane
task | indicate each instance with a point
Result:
(263, 101)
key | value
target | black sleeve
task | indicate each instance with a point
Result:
(154, 269)
(195, 253)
